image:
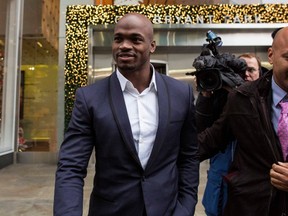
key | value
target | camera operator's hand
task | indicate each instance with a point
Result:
(207, 93)
(210, 93)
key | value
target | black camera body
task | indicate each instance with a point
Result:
(214, 70)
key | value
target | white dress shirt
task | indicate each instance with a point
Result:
(142, 111)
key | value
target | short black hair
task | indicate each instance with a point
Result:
(273, 34)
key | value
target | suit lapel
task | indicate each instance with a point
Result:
(164, 111)
(120, 114)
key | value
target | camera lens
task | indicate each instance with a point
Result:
(209, 80)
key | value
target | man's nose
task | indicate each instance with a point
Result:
(126, 44)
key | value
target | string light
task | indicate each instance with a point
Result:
(79, 17)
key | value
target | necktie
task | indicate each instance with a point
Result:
(283, 129)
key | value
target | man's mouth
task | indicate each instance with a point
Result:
(125, 56)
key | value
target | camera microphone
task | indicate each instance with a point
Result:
(213, 38)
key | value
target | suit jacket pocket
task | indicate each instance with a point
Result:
(102, 200)
(100, 205)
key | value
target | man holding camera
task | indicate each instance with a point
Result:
(210, 106)
(258, 177)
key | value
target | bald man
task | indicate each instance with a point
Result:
(258, 177)
(142, 126)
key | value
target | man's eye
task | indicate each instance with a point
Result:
(137, 39)
(117, 39)
(251, 69)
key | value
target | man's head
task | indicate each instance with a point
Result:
(253, 70)
(278, 57)
(133, 43)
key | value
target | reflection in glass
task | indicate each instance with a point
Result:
(39, 76)
(38, 107)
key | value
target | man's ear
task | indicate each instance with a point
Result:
(153, 47)
(270, 55)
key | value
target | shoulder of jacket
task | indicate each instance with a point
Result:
(171, 80)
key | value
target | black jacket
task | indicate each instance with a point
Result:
(246, 117)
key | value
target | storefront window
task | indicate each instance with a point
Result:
(39, 75)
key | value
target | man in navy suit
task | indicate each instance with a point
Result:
(142, 126)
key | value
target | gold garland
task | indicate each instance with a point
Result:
(79, 17)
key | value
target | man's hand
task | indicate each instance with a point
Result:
(279, 176)
(207, 93)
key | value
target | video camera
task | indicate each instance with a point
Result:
(213, 70)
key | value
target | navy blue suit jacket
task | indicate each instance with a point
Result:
(167, 186)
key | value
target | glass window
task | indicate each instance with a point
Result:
(3, 8)
(39, 75)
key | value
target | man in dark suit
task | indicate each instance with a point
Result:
(142, 126)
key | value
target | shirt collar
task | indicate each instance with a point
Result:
(277, 93)
(124, 82)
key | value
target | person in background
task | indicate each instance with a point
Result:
(142, 126)
(22, 146)
(258, 177)
(209, 106)
(254, 67)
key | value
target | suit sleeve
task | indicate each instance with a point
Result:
(74, 156)
(188, 164)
